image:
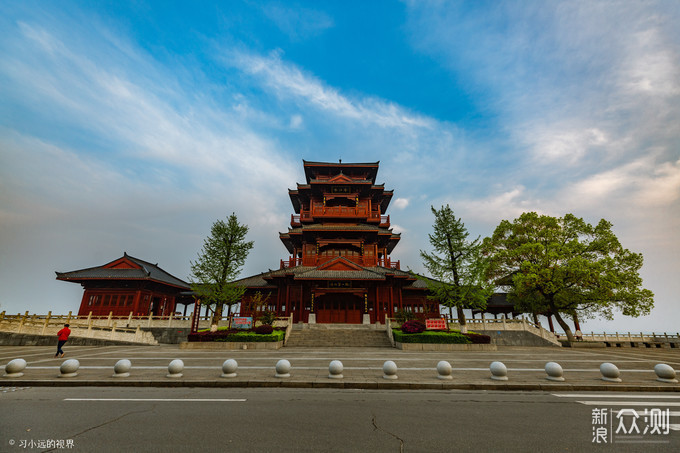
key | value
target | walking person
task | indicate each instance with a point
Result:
(62, 337)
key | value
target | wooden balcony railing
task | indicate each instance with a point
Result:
(360, 212)
(291, 262)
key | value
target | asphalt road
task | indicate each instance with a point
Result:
(108, 419)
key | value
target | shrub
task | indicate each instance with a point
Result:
(478, 338)
(264, 329)
(441, 337)
(252, 337)
(404, 315)
(268, 317)
(413, 326)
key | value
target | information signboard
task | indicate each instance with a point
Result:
(435, 324)
(242, 322)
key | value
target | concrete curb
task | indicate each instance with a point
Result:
(367, 385)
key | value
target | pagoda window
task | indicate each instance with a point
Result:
(107, 300)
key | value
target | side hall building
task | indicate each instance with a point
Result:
(129, 284)
(340, 241)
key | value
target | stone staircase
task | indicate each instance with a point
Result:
(338, 336)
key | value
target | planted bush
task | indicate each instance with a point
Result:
(478, 338)
(252, 337)
(413, 326)
(264, 329)
(430, 336)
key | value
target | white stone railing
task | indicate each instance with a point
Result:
(80, 328)
(517, 324)
(634, 337)
(128, 321)
(388, 327)
(288, 325)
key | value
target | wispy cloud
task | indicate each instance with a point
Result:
(298, 23)
(288, 81)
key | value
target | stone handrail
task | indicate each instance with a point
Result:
(289, 329)
(388, 327)
(49, 326)
(626, 337)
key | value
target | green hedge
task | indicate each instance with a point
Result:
(430, 336)
(252, 337)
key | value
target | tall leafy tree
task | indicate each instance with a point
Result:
(456, 265)
(219, 262)
(564, 265)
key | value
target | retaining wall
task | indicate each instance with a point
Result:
(227, 345)
(444, 347)
(24, 339)
(515, 338)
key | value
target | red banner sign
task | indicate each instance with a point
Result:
(435, 324)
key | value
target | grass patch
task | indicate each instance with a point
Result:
(236, 335)
(253, 337)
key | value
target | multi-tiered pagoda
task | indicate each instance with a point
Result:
(340, 241)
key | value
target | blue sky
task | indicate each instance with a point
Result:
(132, 126)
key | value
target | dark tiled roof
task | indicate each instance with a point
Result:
(147, 271)
(314, 273)
(340, 226)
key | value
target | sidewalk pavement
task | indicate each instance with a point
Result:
(362, 368)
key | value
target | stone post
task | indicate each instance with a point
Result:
(47, 322)
(109, 319)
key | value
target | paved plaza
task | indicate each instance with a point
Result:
(362, 367)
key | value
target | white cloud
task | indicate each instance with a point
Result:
(298, 23)
(400, 203)
(288, 81)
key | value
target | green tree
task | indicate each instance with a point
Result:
(565, 265)
(456, 265)
(223, 254)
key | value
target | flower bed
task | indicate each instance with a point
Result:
(430, 336)
(236, 335)
(440, 337)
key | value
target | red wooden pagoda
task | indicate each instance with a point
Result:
(127, 285)
(340, 241)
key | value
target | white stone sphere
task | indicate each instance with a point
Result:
(499, 371)
(389, 370)
(665, 373)
(610, 372)
(554, 371)
(15, 368)
(229, 368)
(282, 368)
(175, 368)
(335, 370)
(122, 368)
(444, 370)
(69, 368)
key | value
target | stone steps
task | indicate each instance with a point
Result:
(339, 338)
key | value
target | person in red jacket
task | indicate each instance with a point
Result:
(62, 337)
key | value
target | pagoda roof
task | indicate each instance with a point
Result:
(124, 268)
(342, 227)
(336, 269)
(312, 169)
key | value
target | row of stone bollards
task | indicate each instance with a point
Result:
(499, 372)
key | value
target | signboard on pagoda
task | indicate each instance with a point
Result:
(435, 324)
